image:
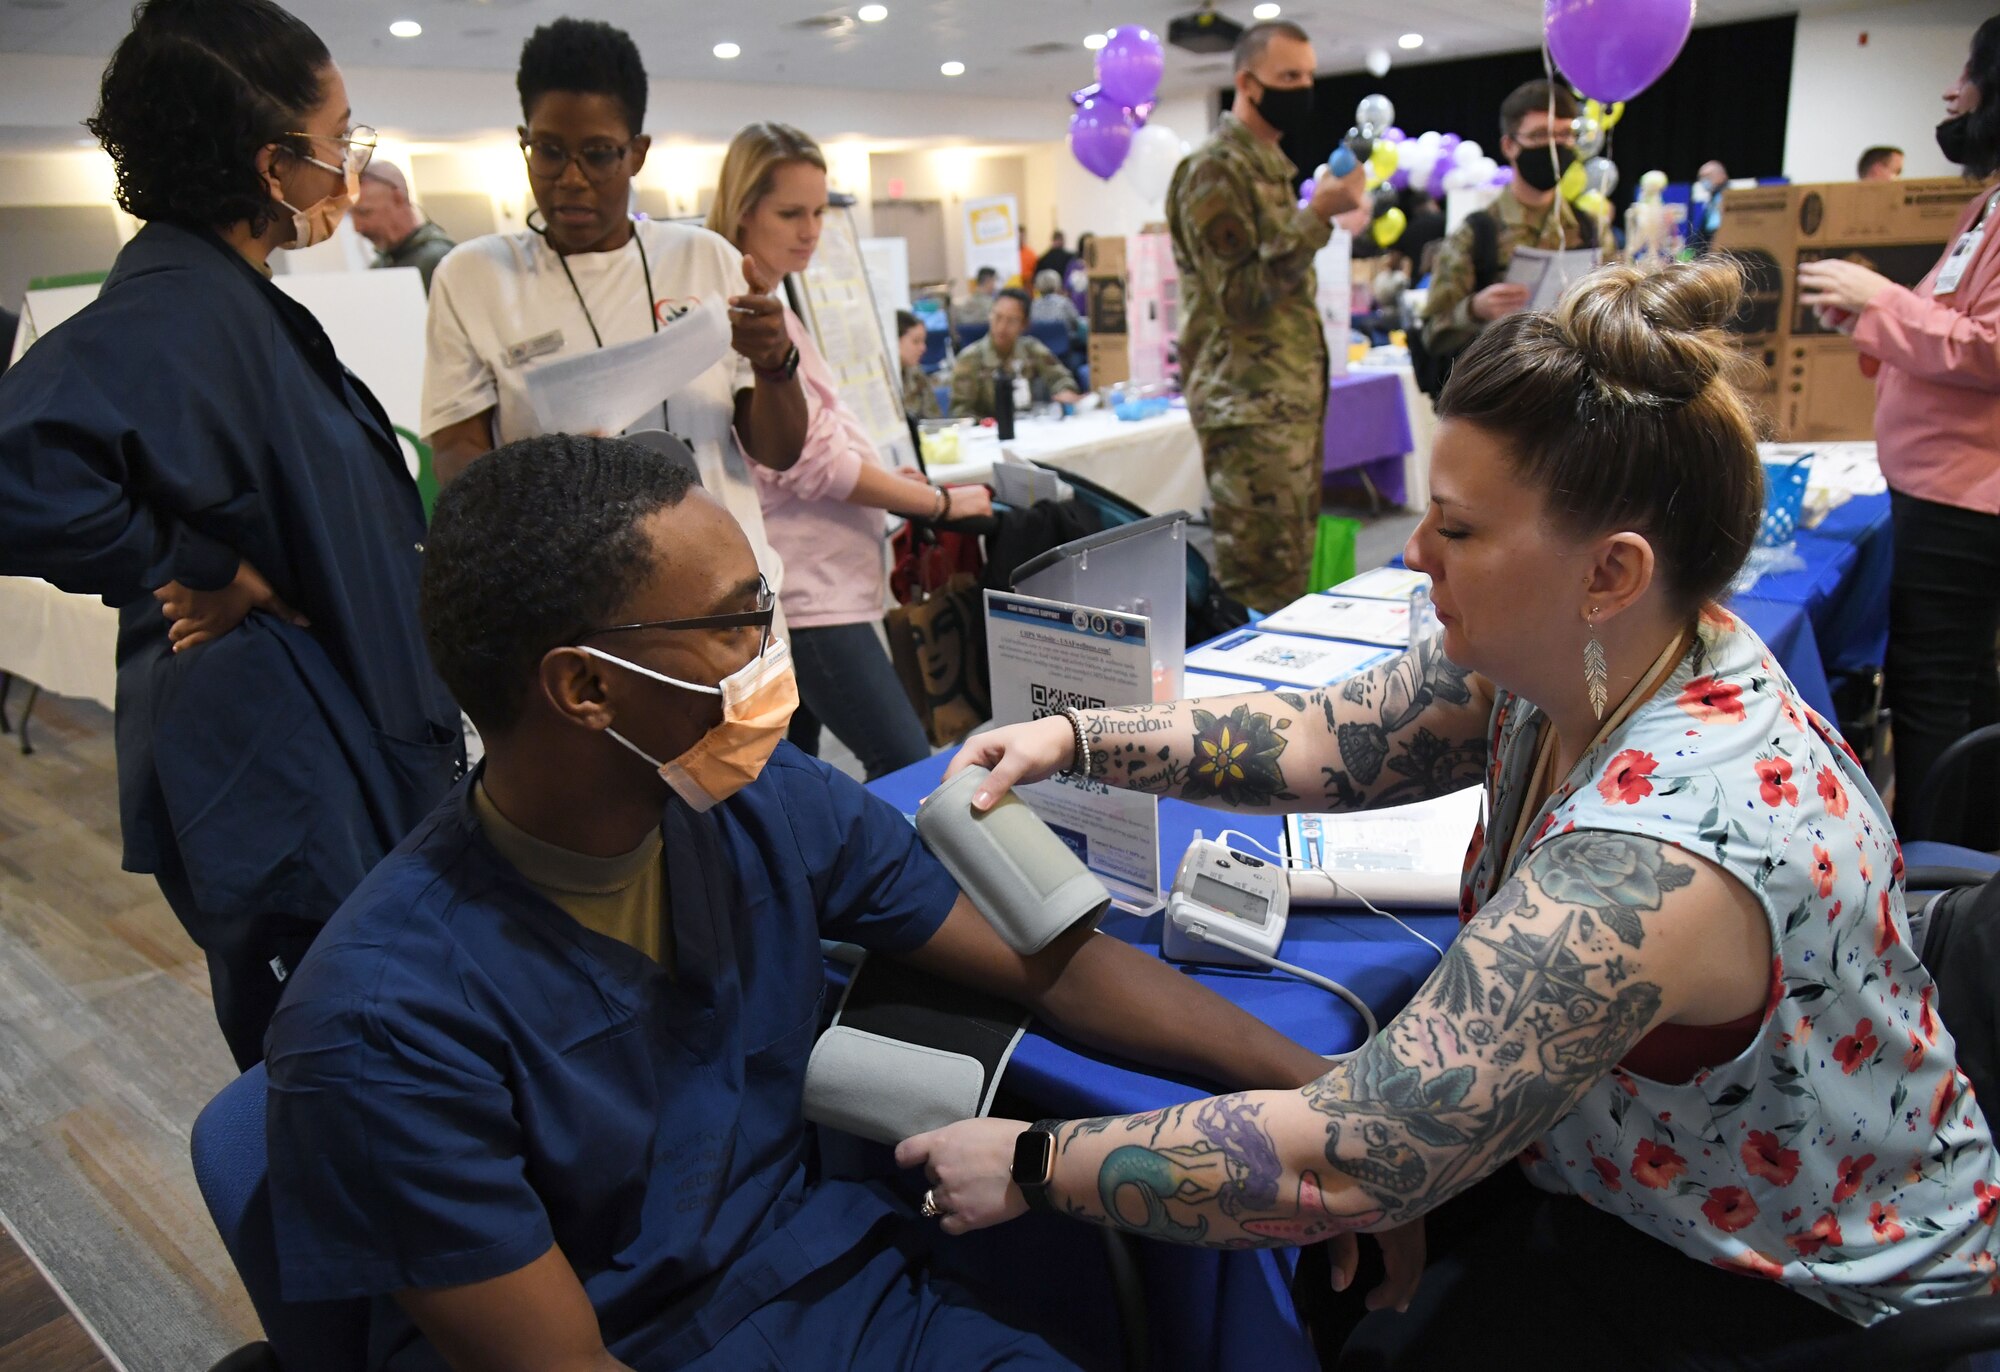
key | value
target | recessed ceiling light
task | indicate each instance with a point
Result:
(406, 28)
(872, 14)
(1095, 41)
(1265, 12)
(953, 69)
(727, 50)
(1410, 40)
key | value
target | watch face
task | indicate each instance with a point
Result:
(1034, 1157)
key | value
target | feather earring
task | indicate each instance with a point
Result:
(1596, 676)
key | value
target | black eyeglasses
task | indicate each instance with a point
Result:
(549, 160)
(760, 618)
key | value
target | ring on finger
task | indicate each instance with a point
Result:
(930, 1209)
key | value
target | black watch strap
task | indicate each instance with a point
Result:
(1035, 1163)
(784, 371)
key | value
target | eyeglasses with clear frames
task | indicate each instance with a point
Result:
(760, 618)
(547, 161)
(357, 144)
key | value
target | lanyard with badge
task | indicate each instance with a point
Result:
(1962, 251)
(652, 311)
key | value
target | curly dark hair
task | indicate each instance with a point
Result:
(1982, 126)
(535, 543)
(584, 56)
(192, 93)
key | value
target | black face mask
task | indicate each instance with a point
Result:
(1287, 111)
(1952, 139)
(1533, 166)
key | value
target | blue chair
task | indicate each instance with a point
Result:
(968, 334)
(1054, 335)
(230, 1167)
(937, 340)
(1954, 765)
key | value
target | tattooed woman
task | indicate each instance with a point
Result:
(1683, 996)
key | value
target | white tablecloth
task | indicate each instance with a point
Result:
(1154, 463)
(61, 642)
(1417, 462)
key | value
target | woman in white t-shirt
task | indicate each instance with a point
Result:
(824, 513)
(587, 276)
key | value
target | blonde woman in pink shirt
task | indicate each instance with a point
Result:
(1937, 426)
(824, 515)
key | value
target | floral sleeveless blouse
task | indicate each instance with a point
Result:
(1842, 1153)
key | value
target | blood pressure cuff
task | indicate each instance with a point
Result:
(907, 1053)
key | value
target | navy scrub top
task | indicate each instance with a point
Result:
(460, 1073)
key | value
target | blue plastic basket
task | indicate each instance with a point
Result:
(1784, 498)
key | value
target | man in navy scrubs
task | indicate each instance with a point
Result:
(536, 1089)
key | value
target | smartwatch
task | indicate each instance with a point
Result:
(784, 371)
(1035, 1163)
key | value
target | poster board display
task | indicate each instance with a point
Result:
(1152, 309)
(993, 236)
(1106, 293)
(839, 307)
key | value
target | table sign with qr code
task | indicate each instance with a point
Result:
(1045, 656)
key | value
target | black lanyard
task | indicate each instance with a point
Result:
(652, 311)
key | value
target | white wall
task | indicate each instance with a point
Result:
(1847, 97)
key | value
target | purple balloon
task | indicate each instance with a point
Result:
(1141, 113)
(1307, 187)
(1129, 64)
(1446, 143)
(1100, 134)
(1434, 186)
(1504, 176)
(1077, 97)
(1612, 52)
(1394, 135)
(1400, 179)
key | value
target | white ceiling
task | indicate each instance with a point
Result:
(1011, 48)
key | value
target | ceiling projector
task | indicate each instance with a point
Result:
(1204, 31)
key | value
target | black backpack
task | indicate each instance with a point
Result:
(1432, 370)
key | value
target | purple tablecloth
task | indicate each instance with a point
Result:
(1367, 431)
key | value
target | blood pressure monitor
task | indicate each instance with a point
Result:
(1225, 907)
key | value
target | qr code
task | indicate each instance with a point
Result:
(1046, 700)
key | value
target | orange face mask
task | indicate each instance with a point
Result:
(757, 706)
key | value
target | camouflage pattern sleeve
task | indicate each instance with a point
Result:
(1041, 365)
(1449, 323)
(971, 388)
(1247, 267)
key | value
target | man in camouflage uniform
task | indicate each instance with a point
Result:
(1005, 347)
(1530, 212)
(1253, 356)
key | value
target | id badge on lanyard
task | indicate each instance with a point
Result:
(1962, 253)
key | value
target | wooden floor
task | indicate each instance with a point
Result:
(37, 1331)
(108, 1050)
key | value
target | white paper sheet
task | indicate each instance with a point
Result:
(1383, 583)
(1548, 274)
(1286, 658)
(1408, 855)
(1197, 685)
(1335, 616)
(610, 389)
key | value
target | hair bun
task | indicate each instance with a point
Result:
(1654, 335)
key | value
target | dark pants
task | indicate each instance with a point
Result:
(1944, 609)
(847, 683)
(1518, 1278)
(249, 962)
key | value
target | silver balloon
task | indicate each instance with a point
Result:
(1375, 111)
(1600, 174)
(1589, 136)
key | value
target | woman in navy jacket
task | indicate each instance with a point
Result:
(189, 448)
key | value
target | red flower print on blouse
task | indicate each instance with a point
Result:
(1886, 936)
(1832, 794)
(1607, 1172)
(1926, 1021)
(1765, 1157)
(1774, 782)
(1791, 712)
(1624, 781)
(1712, 701)
(1715, 617)
(1750, 1263)
(1655, 1164)
(1853, 1171)
(1824, 872)
(1729, 1208)
(1941, 1099)
(1896, 867)
(1914, 1059)
(1833, 912)
(1989, 1201)
(1882, 1219)
(1856, 1048)
(1825, 1232)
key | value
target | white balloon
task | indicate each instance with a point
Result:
(1601, 175)
(1150, 161)
(1375, 110)
(1430, 138)
(1417, 160)
(1467, 152)
(1378, 61)
(1485, 166)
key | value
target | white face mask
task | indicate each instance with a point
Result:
(757, 705)
(316, 223)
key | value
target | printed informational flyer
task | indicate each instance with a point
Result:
(1286, 658)
(1197, 685)
(1411, 856)
(1347, 617)
(1383, 583)
(1045, 656)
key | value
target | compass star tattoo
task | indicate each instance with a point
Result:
(1542, 969)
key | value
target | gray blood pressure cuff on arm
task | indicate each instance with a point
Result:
(908, 1052)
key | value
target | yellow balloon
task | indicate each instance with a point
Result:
(1382, 161)
(1369, 176)
(1575, 181)
(1613, 115)
(1594, 110)
(1593, 204)
(1388, 227)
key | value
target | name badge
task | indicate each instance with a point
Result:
(1955, 265)
(539, 346)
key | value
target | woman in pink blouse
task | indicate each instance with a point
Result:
(824, 514)
(1936, 348)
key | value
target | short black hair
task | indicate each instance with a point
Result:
(584, 57)
(534, 544)
(1874, 158)
(1254, 41)
(192, 94)
(986, 274)
(1530, 96)
(1015, 293)
(905, 321)
(1982, 126)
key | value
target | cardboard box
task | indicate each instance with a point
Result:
(1110, 323)
(1813, 385)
